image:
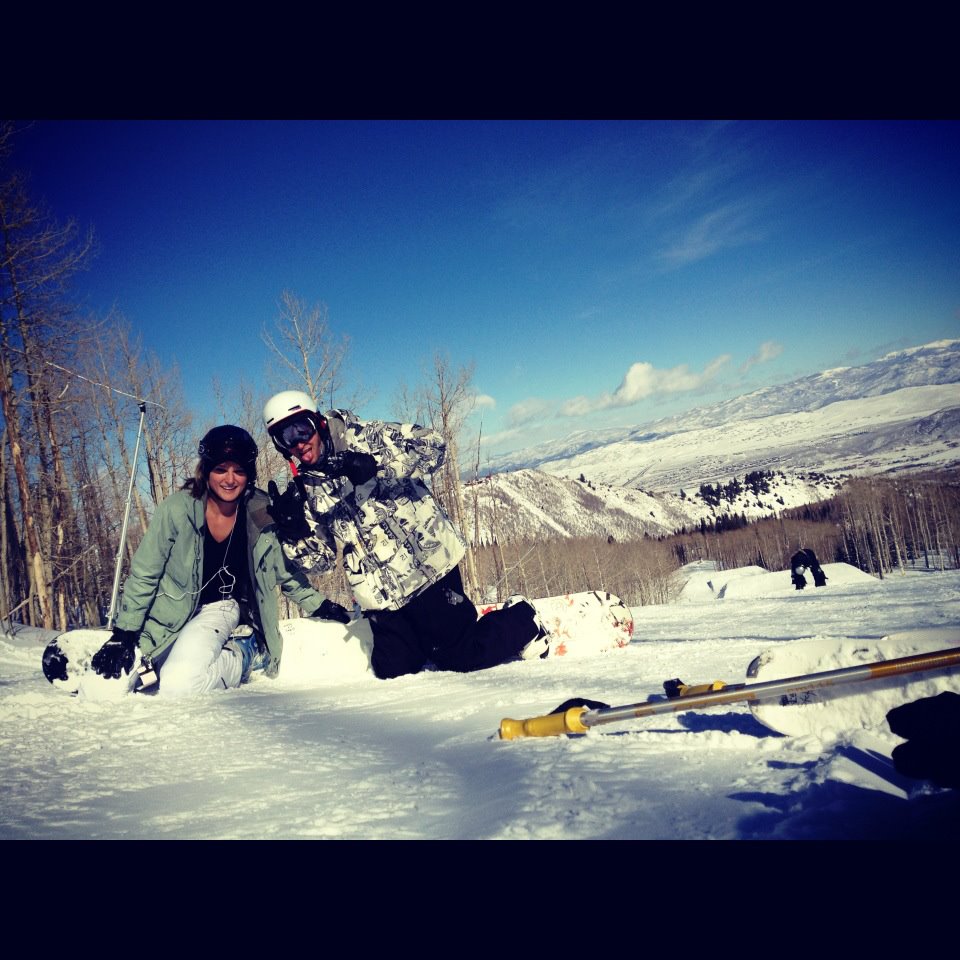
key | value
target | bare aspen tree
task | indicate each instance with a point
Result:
(95, 574)
(409, 404)
(448, 399)
(62, 539)
(306, 355)
(14, 581)
(169, 435)
(502, 582)
(134, 376)
(476, 512)
(112, 415)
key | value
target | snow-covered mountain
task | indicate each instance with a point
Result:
(899, 412)
(531, 504)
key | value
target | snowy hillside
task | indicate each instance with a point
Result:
(899, 412)
(327, 751)
(531, 504)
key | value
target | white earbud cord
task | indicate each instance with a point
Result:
(226, 589)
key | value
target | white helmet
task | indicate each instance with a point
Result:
(288, 405)
(282, 406)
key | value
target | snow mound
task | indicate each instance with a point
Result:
(702, 583)
(778, 584)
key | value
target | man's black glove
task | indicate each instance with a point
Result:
(287, 511)
(328, 610)
(931, 728)
(358, 468)
(117, 654)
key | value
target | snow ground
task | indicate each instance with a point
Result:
(328, 751)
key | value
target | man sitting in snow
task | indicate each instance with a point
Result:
(361, 487)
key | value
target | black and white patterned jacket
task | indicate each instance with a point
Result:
(396, 539)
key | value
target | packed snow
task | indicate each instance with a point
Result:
(328, 751)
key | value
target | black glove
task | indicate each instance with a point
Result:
(358, 468)
(931, 728)
(287, 511)
(328, 610)
(117, 654)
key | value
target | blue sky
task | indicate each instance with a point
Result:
(596, 273)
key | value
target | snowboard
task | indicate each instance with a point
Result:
(832, 711)
(582, 624)
(66, 664)
(324, 649)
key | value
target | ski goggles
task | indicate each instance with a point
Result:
(296, 431)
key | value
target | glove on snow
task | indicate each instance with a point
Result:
(287, 511)
(358, 468)
(117, 654)
(328, 610)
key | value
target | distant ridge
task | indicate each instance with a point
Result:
(896, 413)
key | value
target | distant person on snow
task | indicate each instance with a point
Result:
(803, 560)
(361, 486)
(199, 603)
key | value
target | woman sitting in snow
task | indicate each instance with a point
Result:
(199, 606)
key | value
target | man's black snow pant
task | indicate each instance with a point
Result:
(440, 626)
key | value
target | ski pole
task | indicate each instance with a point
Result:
(580, 719)
(126, 522)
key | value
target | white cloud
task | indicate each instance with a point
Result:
(769, 350)
(644, 380)
(484, 401)
(527, 410)
(578, 406)
(500, 437)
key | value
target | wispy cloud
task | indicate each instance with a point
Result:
(713, 202)
(484, 401)
(769, 350)
(722, 228)
(644, 380)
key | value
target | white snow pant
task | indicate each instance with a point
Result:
(198, 662)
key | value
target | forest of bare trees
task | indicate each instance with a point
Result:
(66, 439)
(879, 524)
(638, 571)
